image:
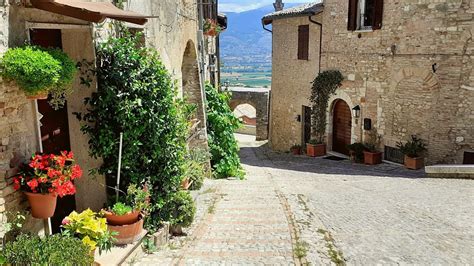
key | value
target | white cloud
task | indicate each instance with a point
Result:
(244, 5)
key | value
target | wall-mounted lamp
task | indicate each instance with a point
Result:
(356, 111)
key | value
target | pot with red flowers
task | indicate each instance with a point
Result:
(45, 177)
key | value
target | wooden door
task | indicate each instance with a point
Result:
(306, 125)
(54, 124)
(342, 124)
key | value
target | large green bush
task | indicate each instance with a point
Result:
(63, 87)
(33, 69)
(179, 209)
(136, 96)
(52, 250)
(223, 146)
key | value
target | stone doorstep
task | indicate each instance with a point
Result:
(118, 254)
(451, 171)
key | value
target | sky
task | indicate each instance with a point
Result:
(244, 5)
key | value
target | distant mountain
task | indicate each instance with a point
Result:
(245, 36)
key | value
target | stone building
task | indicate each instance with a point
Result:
(407, 65)
(295, 63)
(172, 27)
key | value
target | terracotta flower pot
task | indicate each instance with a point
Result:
(125, 219)
(296, 151)
(414, 163)
(315, 150)
(372, 158)
(127, 234)
(42, 206)
(39, 96)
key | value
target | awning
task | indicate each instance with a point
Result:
(89, 11)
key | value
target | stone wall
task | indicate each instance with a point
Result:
(389, 72)
(291, 80)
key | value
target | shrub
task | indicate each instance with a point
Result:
(136, 96)
(223, 146)
(413, 148)
(324, 85)
(197, 167)
(120, 208)
(179, 209)
(52, 250)
(34, 70)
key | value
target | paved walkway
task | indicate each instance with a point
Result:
(294, 209)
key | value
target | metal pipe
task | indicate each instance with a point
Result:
(117, 189)
(263, 25)
(320, 40)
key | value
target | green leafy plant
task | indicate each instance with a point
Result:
(373, 141)
(223, 146)
(296, 146)
(324, 85)
(211, 27)
(34, 70)
(413, 148)
(315, 142)
(53, 250)
(139, 197)
(149, 245)
(89, 227)
(179, 209)
(12, 224)
(63, 86)
(136, 96)
(196, 173)
(120, 208)
(358, 151)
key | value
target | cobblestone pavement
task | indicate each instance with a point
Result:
(326, 212)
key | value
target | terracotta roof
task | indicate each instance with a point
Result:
(308, 9)
(88, 11)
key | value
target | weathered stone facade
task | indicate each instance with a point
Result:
(174, 33)
(291, 80)
(413, 76)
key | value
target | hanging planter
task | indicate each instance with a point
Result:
(39, 71)
(211, 28)
(44, 178)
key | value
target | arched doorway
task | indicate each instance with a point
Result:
(342, 125)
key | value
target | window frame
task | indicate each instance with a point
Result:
(303, 42)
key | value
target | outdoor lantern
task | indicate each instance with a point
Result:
(356, 111)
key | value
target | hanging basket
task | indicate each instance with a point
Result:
(42, 205)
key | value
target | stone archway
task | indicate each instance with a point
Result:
(340, 95)
(193, 94)
(259, 99)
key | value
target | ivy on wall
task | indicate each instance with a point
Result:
(324, 85)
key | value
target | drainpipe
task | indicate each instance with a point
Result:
(320, 40)
(263, 25)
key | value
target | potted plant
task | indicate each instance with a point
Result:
(211, 28)
(90, 228)
(413, 150)
(324, 85)
(179, 210)
(126, 219)
(296, 149)
(356, 152)
(39, 71)
(44, 178)
(372, 155)
(315, 148)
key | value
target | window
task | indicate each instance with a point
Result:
(303, 42)
(365, 14)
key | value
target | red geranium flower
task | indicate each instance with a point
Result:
(33, 184)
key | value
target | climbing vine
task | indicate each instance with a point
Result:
(324, 85)
(223, 146)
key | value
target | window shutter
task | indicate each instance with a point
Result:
(303, 42)
(352, 17)
(378, 14)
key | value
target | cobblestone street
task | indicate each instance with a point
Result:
(296, 209)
